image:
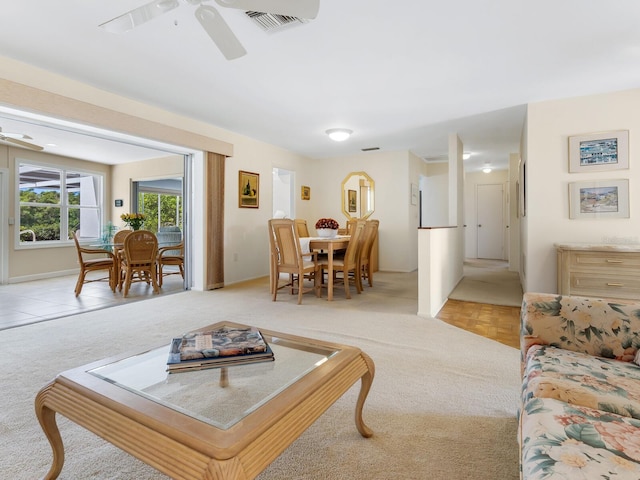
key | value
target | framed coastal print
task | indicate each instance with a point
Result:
(352, 200)
(306, 193)
(599, 199)
(249, 190)
(599, 151)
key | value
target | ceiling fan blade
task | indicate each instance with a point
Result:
(139, 15)
(15, 141)
(220, 33)
(16, 135)
(292, 8)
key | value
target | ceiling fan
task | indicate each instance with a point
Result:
(210, 19)
(18, 139)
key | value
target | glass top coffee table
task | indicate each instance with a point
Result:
(219, 423)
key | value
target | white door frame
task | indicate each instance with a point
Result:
(4, 226)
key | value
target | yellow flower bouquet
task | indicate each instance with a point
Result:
(134, 220)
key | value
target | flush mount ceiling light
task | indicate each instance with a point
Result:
(466, 156)
(339, 134)
(486, 168)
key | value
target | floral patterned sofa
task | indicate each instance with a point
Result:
(580, 412)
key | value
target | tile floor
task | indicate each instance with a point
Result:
(32, 302)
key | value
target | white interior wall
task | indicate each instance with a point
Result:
(514, 216)
(397, 237)
(436, 195)
(246, 248)
(549, 126)
(122, 175)
(440, 258)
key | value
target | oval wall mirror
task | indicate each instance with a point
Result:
(358, 195)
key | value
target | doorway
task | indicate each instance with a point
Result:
(283, 195)
(490, 231)
(4, 221)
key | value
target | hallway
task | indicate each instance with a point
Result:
(486, 301)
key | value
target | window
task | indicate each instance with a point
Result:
(161, 202)
(161, 210)
(55, 202)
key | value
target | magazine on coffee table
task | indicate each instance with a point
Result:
(217, 348)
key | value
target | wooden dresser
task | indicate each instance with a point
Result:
(611, 271)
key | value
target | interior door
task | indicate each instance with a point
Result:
(490, 221)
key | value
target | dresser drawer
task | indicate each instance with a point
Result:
(614, 286)
(605, 260)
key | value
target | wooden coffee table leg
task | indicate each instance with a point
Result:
(365, 386)
(47, 419)
(224, 377)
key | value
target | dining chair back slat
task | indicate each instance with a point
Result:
(349, 262)
(118, 251)
(301, 227)
(139, 259)
(289, 258)
(355, 243)
(365, 265)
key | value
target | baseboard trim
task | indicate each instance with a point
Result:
(43, 276)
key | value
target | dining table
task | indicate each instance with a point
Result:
(330, 245)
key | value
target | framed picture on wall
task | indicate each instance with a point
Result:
(414, 194)
(306, 193)
(352, 200)
(599, 199)
(599, 151)
(249, 190)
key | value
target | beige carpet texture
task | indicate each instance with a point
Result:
(488, 281)
(442, 405)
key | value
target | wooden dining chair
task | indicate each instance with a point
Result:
(139, 260)
(172, 255)
(88, 261)
(118, 238)
(347, 263)
(301, 227)
(365, 265)
(118, 248)
(289, 258)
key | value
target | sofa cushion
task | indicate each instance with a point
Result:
(563, 441)
(582, 379)
(605, 328)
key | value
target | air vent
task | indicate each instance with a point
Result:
(370, 149)
(436, 158)
(270, 21)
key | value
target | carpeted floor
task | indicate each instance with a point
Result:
(442, 406)
(490, 282)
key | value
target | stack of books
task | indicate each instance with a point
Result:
(218, 348)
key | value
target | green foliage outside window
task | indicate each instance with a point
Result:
(168, 206)
(44, 211)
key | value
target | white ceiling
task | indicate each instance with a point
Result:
(402, 75)
(69, 139)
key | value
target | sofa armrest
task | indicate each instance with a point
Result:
(601, 327)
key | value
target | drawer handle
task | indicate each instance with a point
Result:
(615, 284)
(613, 261)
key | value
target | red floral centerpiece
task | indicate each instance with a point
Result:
(327, 227)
